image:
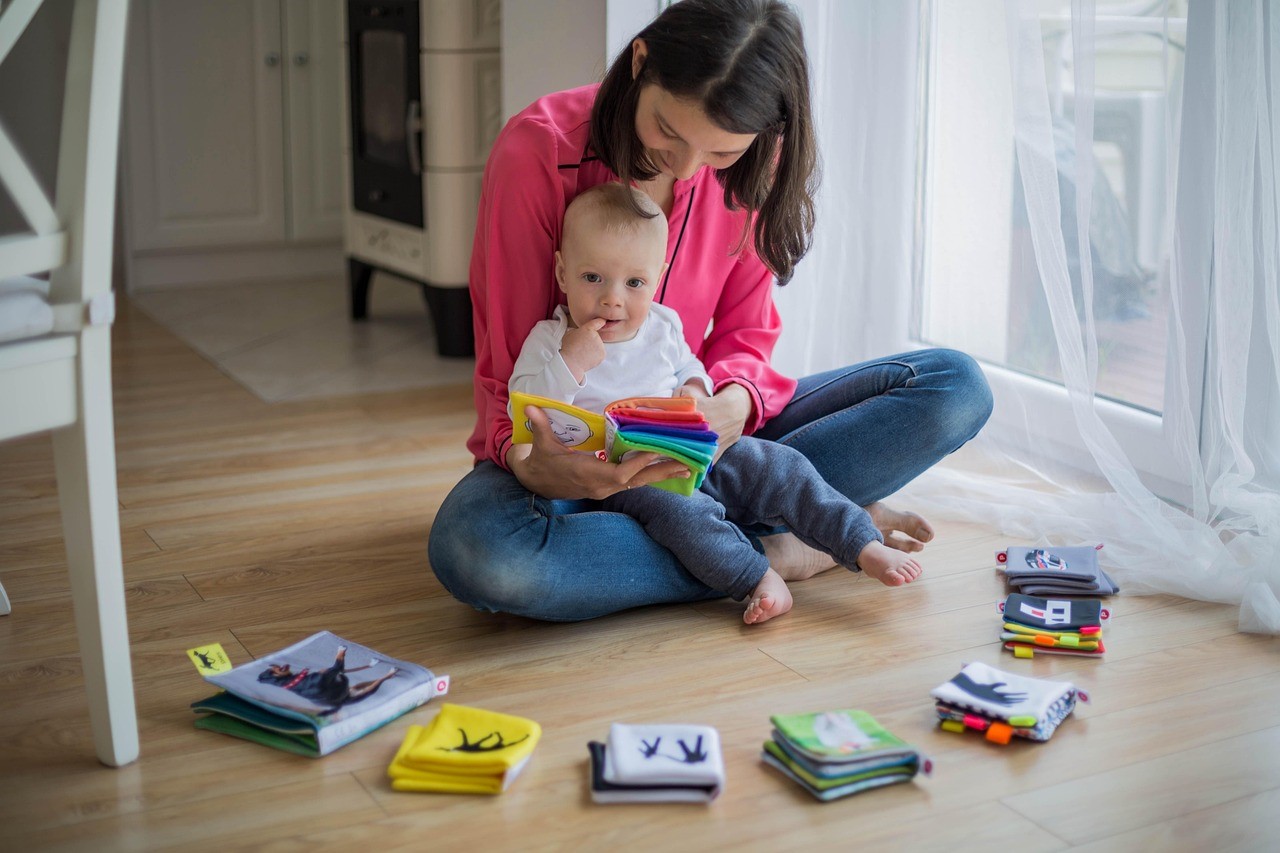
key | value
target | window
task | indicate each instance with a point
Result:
(977, 286)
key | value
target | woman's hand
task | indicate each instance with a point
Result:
(548, 468)
(726, 412)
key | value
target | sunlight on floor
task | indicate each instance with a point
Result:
(294, 340)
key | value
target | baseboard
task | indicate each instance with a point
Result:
(151, 270)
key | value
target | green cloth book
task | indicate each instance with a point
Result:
(833, 788)
(832, 754)
(315, 696)
(844, 737)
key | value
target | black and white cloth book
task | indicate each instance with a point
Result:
(603, 791)
(1003, 695)
(657, 763)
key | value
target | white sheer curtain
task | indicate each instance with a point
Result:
(1222, 541)
(858, 275)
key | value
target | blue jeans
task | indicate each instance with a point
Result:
(755, 482)
(868, 429)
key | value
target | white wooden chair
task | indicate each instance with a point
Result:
(60, 380)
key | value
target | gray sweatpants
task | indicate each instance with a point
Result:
(754, 482)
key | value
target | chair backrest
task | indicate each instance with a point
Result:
(71, 236)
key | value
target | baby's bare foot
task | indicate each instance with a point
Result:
(769, 599)
(794, 560)
(905, 531)
(888, 565)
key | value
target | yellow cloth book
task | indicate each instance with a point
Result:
(464, 750)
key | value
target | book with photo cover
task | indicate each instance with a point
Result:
(315, 696)
(669, 426)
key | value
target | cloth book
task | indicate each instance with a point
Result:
(658, 763)
(464, 751)
(1056, 626)
(832, 754)
(1002, 704)
(604, 791)
(316, 695)
(1071, 570)
(670, 426)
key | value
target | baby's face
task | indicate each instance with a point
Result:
(570, 429)
(613, 275)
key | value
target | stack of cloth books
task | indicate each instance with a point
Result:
(1055, 571)
(833, 754)
(464, 751)
(1001, 705)
(659, 763)
(1054, 626)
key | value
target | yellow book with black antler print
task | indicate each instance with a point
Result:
(464, 751)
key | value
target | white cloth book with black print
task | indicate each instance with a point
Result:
(663, 754)
(1002, 695)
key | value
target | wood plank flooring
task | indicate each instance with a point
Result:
(254, 525)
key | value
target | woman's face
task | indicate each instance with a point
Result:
(677, 134)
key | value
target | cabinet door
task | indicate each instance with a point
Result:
(313, 49)
(204, 123)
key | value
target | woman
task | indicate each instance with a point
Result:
(707, 111)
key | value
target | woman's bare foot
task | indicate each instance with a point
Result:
(794, 560)
(905, 531)
(888, 565)
(769, 599)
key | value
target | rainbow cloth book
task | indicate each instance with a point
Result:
(670, 426)
(315, 696)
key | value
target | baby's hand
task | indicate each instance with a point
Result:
(692, 388)
(582, 349)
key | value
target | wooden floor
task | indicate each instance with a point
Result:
(253, 525)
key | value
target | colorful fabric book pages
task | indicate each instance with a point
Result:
(658, 763)
(1056, 570)
(464, 751)
(1057, 626)
(831, 788)
(669, 426)
(999, 703)
(832, 754)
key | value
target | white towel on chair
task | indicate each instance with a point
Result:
(24, 308)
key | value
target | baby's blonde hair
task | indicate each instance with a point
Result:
(610, 207)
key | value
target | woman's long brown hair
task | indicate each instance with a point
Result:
(744, 61)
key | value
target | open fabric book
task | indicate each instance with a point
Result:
(316, 695)
(670, 426)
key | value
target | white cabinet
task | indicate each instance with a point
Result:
(233, 140)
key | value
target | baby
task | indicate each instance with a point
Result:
(611, 341)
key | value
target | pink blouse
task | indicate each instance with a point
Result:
(538, 164)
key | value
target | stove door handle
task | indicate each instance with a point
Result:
(413, 136)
